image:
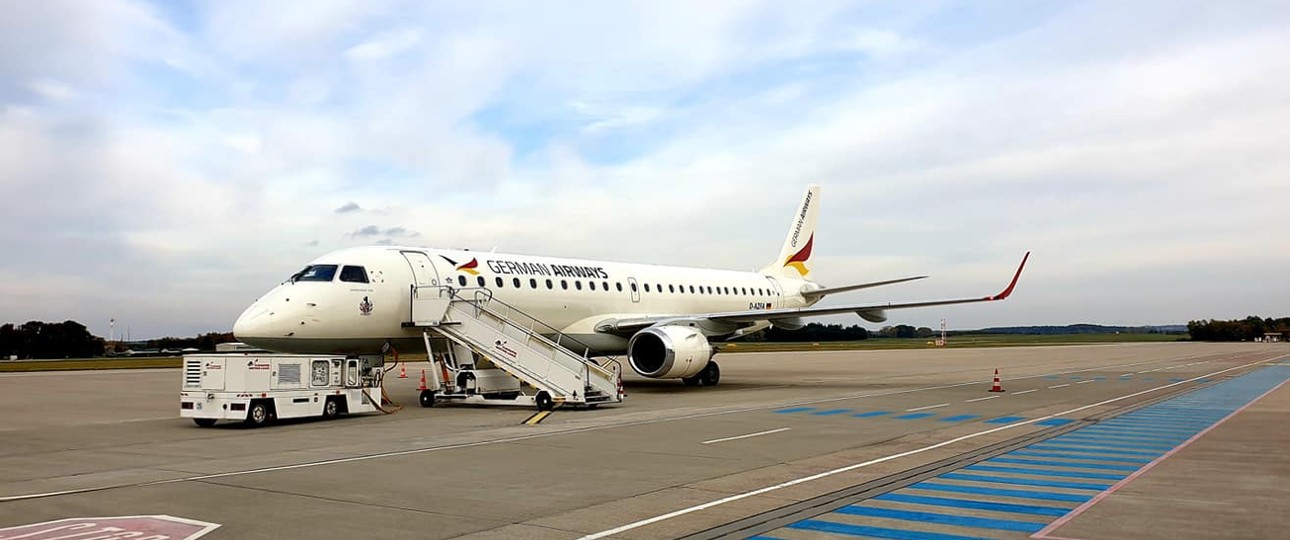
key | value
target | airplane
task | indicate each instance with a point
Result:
(356, 301)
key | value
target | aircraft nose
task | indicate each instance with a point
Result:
(253, 323)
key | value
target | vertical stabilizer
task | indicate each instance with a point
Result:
(794, 259)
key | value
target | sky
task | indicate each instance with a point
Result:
(165, 163)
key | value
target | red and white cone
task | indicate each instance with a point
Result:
(403, 370)
(423, 381)
(998, 386)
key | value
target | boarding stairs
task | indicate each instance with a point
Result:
(532, 363)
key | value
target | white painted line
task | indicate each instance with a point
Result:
(1127, 375)
(1025, 391)
(854, 466)
(759, 433)
(981, 399)
(927, 407)
(1059, 386)
(1085, 382)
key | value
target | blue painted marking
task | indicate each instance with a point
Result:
(1073, 456)
(1117, 431)
(943, 519)
(1083, 450)
(1099, 378)
(1054, 422)
(761, 537)
(871, 414)
(914, 416)
(1025, 481)
(1049, 463)
(1124, 438)
(997, 492)
(1052, 377)
(794, 410)
(1005, 420)
(1076, 377)
(960, 418)
(831, 412)
(1103, 443)
(974, 505)
(1045, 472)
(874, 532)
(1147, 429)
(1177, 379)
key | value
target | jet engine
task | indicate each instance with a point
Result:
(668, 352)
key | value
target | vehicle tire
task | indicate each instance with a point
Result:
(204, 422)
(257, 414)
(711, 374)
(544, 401)
(427, 398)
(691, 381)
(331, 408)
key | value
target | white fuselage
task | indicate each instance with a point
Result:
(345, 314)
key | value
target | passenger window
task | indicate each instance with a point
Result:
(564, 284)
(353, 274)
(315, 272)
(499, 282)
(606, 286)
(516, 282)
(670, 289)
(647, 287)
(633, 287)
(691, 289)
(480, 281)
(577, 284)
(710, 289)
(591, 285)
(548, 285)
(620, 286)
(461, 280)
(532, 283)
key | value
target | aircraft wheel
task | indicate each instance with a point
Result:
(711, 374)
(544, 401)
(691, 381)
(427, 398)
(204, 422)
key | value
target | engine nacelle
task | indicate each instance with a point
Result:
(668, 352)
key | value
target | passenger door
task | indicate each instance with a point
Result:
(635, 288)
(423, 271)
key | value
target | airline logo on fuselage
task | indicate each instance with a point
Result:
(520, 268)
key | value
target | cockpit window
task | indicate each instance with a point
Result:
(315, 272)
(353, 274)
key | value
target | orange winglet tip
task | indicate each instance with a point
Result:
(1015, 277)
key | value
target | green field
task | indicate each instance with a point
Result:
(91, 363)
(955, 342)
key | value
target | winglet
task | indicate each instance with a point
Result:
(1012, 285)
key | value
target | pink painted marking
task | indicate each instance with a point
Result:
(1043, 533)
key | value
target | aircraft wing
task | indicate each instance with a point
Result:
(870, 312)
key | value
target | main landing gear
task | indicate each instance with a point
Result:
(709, 376)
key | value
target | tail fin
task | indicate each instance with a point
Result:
(794, 258)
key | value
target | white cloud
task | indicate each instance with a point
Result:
(1133, 155)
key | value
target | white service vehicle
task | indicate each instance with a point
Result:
(255, 387)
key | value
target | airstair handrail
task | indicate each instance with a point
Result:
(484, 297)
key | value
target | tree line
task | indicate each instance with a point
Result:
(70, 339)
(1237, 329)
(36, 339)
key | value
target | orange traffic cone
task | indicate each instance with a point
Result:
(998, 387)
(403, 370)
(423, 381)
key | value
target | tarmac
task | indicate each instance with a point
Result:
(787, 441)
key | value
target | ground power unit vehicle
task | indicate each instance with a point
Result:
(255, 388)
